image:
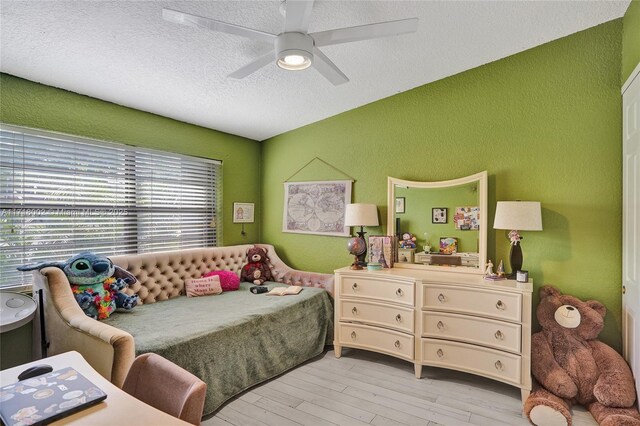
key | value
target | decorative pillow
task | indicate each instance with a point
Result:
(202, 286)
(228, 279)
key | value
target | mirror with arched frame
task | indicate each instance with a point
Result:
(448, 220)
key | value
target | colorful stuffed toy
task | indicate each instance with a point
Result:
(257, 271)
(408, 241)
(571, 366)
(96, 283)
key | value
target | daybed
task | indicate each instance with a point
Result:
(232, 341)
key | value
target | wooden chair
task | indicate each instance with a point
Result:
(164, 385)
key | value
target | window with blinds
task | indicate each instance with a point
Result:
(60, 195)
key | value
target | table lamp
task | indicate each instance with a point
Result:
(360, 214)
(517, 216)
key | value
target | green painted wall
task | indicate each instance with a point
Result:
(417, 216)
(25, 103)
(544, 123)
(631, 39)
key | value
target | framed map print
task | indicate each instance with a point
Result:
(316, 207)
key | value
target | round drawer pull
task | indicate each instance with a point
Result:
(354, 287)
(397, 344)
(441, 298)
(499, 335)
(354, 311)
(498, 365)
(398, 318)
(440, 326)
(500, 305)
(399, 292)
(440, 353)
(353, 335)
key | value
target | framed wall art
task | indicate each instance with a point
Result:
(439, 215)
(316, 207)
(243, 212)
(400, 204)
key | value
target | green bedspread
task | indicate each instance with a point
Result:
(234, 340)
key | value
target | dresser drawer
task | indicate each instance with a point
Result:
(377, 339)
(373, 313)
(378, 289)
(497, 334)
(481, 302)
(473, 359)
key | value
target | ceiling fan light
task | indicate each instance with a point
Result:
(294, 51)
(294, 62)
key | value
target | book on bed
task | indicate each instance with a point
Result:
(284, 291)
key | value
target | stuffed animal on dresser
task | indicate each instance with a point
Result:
(257, 269)
(571, 366)
(96, 283)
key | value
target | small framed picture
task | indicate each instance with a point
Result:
(439, 215)
(448, 245)
(399, 204)
(243, 213)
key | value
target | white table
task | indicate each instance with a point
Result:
(119, 408)
(16, 309)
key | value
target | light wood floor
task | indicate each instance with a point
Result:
(367, 388)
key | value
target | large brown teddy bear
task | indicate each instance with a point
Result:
(571, 366)
(257, 270)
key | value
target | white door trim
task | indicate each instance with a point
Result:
(633, 75)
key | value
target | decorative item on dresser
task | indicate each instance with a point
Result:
(517, 216)
(443, 319)
(360, 214)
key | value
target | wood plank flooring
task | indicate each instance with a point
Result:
(366, 388)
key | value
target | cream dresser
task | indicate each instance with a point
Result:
(444, 319)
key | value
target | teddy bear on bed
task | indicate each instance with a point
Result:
(571, 366)
(257, 269)
(96, 283)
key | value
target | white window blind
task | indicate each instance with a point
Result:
(60, 195)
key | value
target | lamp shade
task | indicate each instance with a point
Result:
(360, 214)
(518, 216)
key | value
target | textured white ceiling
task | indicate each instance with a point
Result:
(124, 52)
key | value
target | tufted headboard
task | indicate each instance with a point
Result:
(161, 276)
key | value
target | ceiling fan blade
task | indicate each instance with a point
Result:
(297, 16)
(327, 68)
(212, 24)
(254, 66)
(365, 32)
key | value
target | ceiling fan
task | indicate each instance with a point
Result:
(295, 48)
